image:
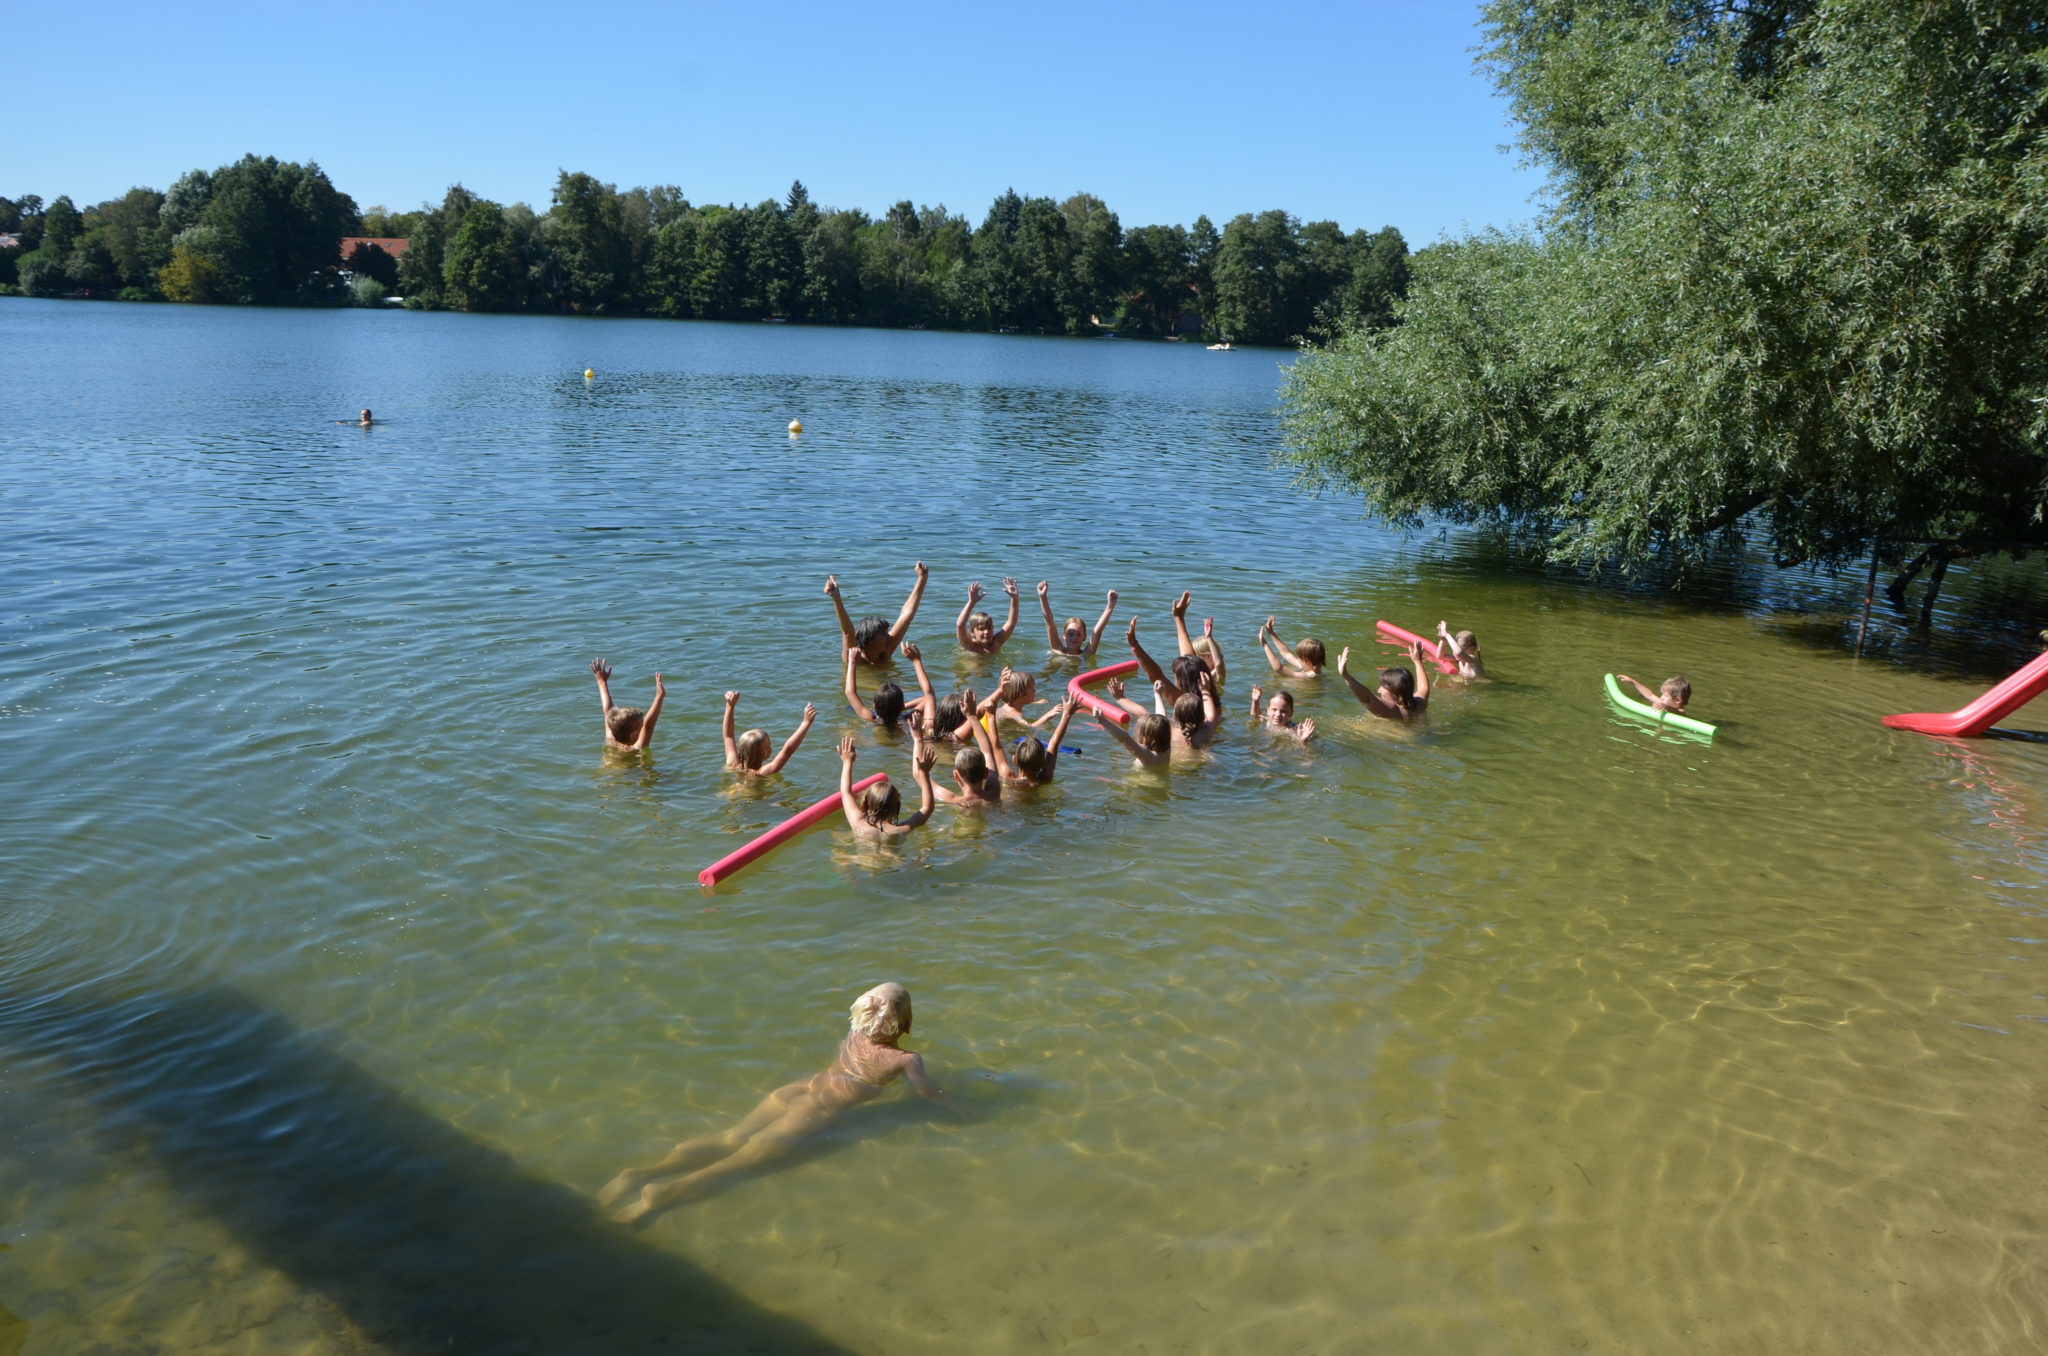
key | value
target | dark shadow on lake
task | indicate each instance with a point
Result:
(426, 1239)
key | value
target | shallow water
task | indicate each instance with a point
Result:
(339, 957)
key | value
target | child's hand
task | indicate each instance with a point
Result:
(1268, 626)
(832, 585)
(1131, 635)
(658, 688)
(1205, 684)
(1343, 658)
(1112, 600)
(968, 701)
(810, 712)
(853, 654)
(602, 670)
(1623, 678)
(1443, 629)
(1415, 650)
(1305, 729)
(1116, 688)
(1180, 605)
(1010, 587)
(1208, 626)
(922, 571)
(910, 651)
(1255, 697)
(732, 698)
(974, 592)
(914, 718)
(1004, 680)
(923, 758)
(846, 754)
(1158, 688)
(1044, 589)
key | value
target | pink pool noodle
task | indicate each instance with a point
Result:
(1429, 647)
(1077, 688)
(2021, 687)
(781, 833)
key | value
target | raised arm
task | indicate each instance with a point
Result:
(960, 622)
(1286, 652)
(1009, 622)
(1211, 712)
(1147, 663)
(922, 756)
(839, 606)
(929, 702)
(1138, 751)
(1102, 624)
(1216, 661)
(847, 803)
(901, 628)
(1052, 633)
(1256, 714)
(1367, 697)
(789, 746)
(732, 748)
(603, 673)
(653, 714)
(1421, 673)
(1180, 622)
(1651, 697)
(1059, 734)
(860, 708)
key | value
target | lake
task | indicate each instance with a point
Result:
(342, 963)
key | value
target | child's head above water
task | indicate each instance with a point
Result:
(1031, 756)
(1280, 707)
(1205, 650)
(1677, 691)
(1153, 732)
(970, 767)
(882, 1013)
(1398, 684)
(1310, 651)
(1187, 713)
(624, 722)
(1187, 669)
(752, 748)
(867, 632)
(880, 804)
(981, 628)
(1467, 643)
(889, 704)
(952, 715)
(1021, 688)
(1074, 634)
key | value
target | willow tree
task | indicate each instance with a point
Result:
(1792, 273)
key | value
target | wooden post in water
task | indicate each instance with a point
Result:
(1869, 592)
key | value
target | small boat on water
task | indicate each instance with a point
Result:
(1223, 347)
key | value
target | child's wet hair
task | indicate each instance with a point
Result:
(1031, 756)
(1022, 687)
(1678, 688)
(1467, 641)
(752, 748)
(1186, 669)
(1152, 732)
(1400, 683)
(975, 619)
(1310, 651)
(868, 630)
(889, 704)
(1073, 625)
(1187, 713)
(882, 1013)
(1205, 649)
(624, 722)
(971, 766)
(881, 803)
(1286, 700)
(952, 715)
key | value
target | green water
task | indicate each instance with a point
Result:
(340, 959)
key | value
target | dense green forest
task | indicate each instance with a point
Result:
(1793, 277)
(265, 232)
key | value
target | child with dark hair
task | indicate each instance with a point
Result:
(1400, 695)
(748, 754)
(874, 638)
(626, 727)
(889, 708)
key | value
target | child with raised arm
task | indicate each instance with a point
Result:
(1075, 638)
(1015, 691)
(977, 630)
(1279, 714)
(1305, 660)
(1400, 695)
(868, 1061)
(1462, 650)
(626, 727)
(748, 754)
(1150, 739)
(1036, 760)
(1207, 648)
(1169, 688)
(1671, 695)
(889, 708)
(977, 771)
(872, 814)
(874, 638)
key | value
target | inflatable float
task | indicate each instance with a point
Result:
(781, 833)
(1669, 719)
(2021, 687)
(1431, 650)
(1100, 707)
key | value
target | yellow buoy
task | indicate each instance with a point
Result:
(589, 374)
(796, 426)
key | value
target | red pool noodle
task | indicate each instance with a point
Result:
(781, 833)
(1077, 688)
(1429, 647)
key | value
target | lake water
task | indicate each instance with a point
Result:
(341, 963)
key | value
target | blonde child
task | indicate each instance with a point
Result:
(1400, 695)
(748, 754)
(1305, 660)
(1279, 714)
(874, 638)
(868, 1060)
(1671, 695)
(977, 630)
(1150, 739)
(626, 727)
(872, 814)
(1463, 650)
(1074, 638)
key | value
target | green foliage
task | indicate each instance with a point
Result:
(1795, 270)
(482, 269)
(366, 291)
(593, 255)
(190, 276)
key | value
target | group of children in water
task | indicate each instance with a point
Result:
(1184, 716)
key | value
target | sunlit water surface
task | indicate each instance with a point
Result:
(340, 962)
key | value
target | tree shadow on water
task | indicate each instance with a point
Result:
(428, 1240)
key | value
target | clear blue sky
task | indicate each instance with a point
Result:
(1367, 113)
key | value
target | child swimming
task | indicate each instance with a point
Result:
(869, 1059)
(977, 630)
(746, 754)
(1169, 687)
(1305, 660)
(1074, 638)
(875, 638)
(1671, 695)
(626, 727)
(1150, 739)
(1400, 695)
(872, 814)
(1279, 714)
(1463, 650)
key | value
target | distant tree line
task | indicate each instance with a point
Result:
(267, 232)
